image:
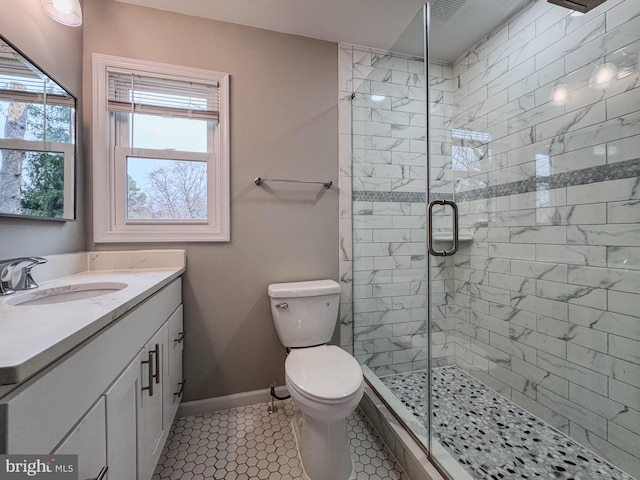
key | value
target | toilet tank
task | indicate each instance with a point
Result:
(304, 313)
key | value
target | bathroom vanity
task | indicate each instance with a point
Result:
(99, 377)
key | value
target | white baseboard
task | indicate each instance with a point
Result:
(215, 404)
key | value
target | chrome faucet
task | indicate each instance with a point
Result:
(25, 281)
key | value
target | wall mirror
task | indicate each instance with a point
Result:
(37, 141)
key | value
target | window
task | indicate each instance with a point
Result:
(37, 137)
(161, 153)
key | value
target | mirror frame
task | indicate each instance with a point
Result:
(73, 165)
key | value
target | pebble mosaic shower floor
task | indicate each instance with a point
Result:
(249, 443)
(491, 437)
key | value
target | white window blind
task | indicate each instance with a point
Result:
(20, 83)
(150, 95)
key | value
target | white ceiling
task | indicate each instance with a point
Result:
(374, 23)
(454, 32)
(397, 25)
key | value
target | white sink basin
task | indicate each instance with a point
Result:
(66, 293)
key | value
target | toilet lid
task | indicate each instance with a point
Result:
(325, 372)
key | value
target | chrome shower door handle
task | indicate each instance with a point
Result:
(454, 248)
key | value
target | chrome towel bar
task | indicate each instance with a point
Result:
(259, 181)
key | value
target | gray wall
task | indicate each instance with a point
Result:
(283, 124)
(57, 50)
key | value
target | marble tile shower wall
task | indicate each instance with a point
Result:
(388, 164)
(546, 158)
(384, 162)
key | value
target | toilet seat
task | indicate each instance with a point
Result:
(325, 373)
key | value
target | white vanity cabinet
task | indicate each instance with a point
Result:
(152, 429)
(97, 399)
(175, 383)
(88, 441)
(122, 404)
(142, 403)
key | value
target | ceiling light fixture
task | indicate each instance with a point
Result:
(66, 12)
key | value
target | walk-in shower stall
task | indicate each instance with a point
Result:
(490, 228)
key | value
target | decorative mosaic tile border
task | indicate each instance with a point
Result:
(600, 173)
(397, 197)
(394, 197)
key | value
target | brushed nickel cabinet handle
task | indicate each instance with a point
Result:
(149, 374)
(102, 474)
(180, 337)
(179, 392)
(157, 353)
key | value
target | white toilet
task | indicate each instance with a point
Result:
(325, 381)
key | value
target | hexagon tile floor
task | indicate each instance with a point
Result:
(249, 443)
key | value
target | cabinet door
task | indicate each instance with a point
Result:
(174, 381)
(88, 441)
(123, 401)
(152, 430)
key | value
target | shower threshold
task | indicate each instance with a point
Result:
(489, 436)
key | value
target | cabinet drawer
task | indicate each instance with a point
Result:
(176, 337)
(41, 412)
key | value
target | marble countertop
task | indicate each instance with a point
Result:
(34, 336)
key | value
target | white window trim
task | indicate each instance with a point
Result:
(108, 225)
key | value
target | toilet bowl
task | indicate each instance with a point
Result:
(324, 381)
(326, 384)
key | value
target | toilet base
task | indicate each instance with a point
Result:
(323, 447)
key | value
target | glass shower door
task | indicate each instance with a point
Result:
(388, 178)
(534, 132)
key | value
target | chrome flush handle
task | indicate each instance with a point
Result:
(283, 306)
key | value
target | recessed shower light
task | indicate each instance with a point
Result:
(377, 98)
